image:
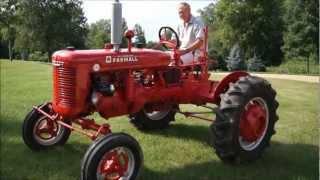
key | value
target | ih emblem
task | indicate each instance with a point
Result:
(121, 59)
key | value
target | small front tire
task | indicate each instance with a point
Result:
(114, 156)
(40, 133)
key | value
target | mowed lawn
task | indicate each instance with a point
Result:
(180, 152)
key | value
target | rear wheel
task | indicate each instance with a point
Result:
(149, 120)
(245, 120)
(40, 133)
(113, 157)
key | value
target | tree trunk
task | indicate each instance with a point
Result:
(10, 50)
(308, 68)
(49, 56)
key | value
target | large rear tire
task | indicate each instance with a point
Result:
(144, 120)
(245, 120)
(39, 135)
(114, 156)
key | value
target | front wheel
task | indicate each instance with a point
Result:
(245, 120)
(114, 156)
(41, 133)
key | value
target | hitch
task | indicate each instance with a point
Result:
(194, 114)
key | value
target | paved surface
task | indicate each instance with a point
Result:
(312, 79)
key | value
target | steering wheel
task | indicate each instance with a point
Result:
(169, 42)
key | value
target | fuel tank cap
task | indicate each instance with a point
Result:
(70, 48)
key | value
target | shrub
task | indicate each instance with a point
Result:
(235, 60)
(38, 56)
(295, 66)
(256, 64)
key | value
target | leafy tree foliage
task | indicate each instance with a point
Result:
(268, 29)
(138, 30)
(255, 64)
(124, 42)
(99, 34)
(47, 26)
(8, 18)
(139, 40)
(302, 29)
(263, 29)
(255, 24)
(235, 60)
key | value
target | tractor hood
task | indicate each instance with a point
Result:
(107, 59)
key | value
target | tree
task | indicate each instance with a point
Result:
(52, 25)
(3, 48)
(99, 34)
(138, 30)
(124, 42)
(302, 29)
(254, 24)
(140, 40)
(235, 60)
(8, 17)
(207, 14)
(255, 64)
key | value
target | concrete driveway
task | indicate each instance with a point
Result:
(311, 79)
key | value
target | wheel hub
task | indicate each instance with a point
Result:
(46, 129)
(116, 165)
(254, 122)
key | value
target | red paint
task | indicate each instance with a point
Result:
(51, 125)
(74, 70)
(47, 127)
(129, 35)
(111, 164)
(253, 122)
(224, 84)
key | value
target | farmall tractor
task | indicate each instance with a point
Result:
(148, 85)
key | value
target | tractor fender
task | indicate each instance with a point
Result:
(223, 85)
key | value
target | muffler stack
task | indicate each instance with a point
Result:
(116, 25)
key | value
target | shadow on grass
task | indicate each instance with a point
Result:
(280, 161)
(10, 126)
(185, 131)
(65, 161)
(19, 162)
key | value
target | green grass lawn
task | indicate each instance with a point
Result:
(180, 152)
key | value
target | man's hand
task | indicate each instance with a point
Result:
(183, 51)
(197, 44)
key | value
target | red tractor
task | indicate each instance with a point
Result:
(148, 85)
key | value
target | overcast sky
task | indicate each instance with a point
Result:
(151, 15)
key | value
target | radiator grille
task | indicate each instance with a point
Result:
(65, 85)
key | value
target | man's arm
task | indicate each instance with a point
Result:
(196, 45)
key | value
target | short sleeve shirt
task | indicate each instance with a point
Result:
(189, 32)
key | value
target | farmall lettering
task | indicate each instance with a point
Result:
(121, 59)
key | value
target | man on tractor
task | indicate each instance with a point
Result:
(190, 33)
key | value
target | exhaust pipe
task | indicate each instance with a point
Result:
(116, 25)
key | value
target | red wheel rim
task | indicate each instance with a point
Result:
(254, 121)
(116, 164)
(46, 131)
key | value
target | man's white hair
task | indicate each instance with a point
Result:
(185, 5)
